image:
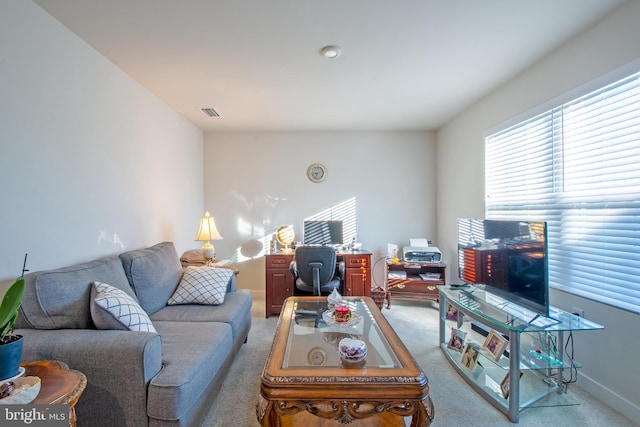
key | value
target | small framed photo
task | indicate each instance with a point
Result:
(495, 344)
(469, 357)
(456, 342)
(452, 312)
(504, 385)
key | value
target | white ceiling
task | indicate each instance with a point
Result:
(406, 64)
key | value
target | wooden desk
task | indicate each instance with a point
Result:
(59, 384)
(279, 280)
(304, 381)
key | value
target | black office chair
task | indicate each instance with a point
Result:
(315, 270)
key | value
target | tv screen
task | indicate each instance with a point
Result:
(322, 232)
(508, 257)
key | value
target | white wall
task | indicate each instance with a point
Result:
(256, 182)
(91, 163)
(610, 366)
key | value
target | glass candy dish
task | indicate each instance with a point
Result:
(352, 350)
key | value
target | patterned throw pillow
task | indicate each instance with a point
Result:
(112, 308)
(202, 285)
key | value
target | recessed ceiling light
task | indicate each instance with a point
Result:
(330, 51)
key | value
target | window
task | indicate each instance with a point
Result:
(577, 166)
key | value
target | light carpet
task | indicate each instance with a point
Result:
(416, 322)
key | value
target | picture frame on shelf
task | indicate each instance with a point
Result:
(469, 356)
(504, 385)
(452, 312)
(495, 344)
(457, 340)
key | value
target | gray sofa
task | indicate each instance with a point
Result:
(134, 378)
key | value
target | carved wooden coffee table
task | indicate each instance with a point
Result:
(304, 381)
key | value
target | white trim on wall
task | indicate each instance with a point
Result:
(581, 90)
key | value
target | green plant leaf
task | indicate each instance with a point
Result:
(9, 307)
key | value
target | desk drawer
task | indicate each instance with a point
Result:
(278, 261)
(414, 286)
(356, 261)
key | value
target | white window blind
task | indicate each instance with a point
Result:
(577, 167)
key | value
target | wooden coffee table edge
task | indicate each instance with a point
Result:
(285, 387)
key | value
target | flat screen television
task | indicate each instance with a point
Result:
(322, 232)
(507, 258)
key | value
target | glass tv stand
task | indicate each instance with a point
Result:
(528, 368)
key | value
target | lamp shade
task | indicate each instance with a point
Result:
(208, 230)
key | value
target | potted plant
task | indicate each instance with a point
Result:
(10, 343)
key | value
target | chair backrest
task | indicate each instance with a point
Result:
(307, 254)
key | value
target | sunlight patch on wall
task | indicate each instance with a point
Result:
(344, 211)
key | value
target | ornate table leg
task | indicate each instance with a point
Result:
(424, 413)
(266, 413)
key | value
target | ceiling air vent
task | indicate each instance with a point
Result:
(210, 112)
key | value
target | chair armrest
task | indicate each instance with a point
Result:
(340, 270)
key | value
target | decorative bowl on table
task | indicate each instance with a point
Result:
(20, 373)
(352, 350)
(330, 319)
(25, 390)
(342, 312)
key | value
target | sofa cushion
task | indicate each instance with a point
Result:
(153, 273)
(111, 308)
(236, 311)
(202, 285)
(59, 299)
(192, 357)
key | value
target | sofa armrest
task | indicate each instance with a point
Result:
(118, 365)
(131, 354)
(231, 286)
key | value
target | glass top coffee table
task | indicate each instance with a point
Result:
(305, 381)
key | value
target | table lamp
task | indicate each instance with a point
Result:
(208, 231)
(285, 236)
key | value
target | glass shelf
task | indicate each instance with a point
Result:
(535, 389)
(505, 315)
(534, 351)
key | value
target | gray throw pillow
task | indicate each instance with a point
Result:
(154, 274)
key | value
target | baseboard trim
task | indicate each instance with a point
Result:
(609, 397)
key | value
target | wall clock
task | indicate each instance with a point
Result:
(317, 172)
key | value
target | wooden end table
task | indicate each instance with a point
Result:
(59, 384)
(304, 381)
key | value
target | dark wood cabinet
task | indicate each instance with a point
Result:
(357, 275)
(279, 280)
(405, 279)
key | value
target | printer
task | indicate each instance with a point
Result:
(421, 255)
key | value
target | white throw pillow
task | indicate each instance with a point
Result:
(112, 308)
(202, 285)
